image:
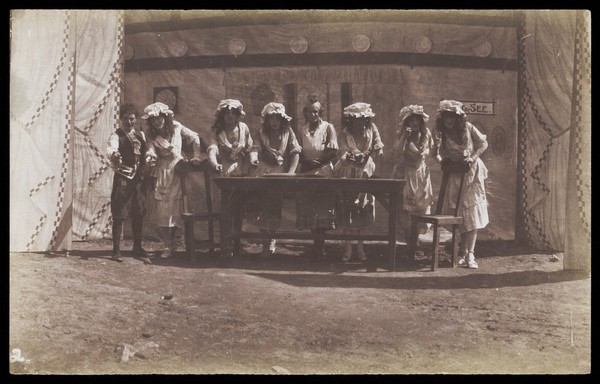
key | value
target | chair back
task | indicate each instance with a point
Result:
(449, 167)
(185, 169)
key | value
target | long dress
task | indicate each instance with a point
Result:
(357, 210)
(473, 201)
(265, 210)
(316, 210)
(417, 194)
(168, 184)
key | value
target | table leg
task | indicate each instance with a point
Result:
(392, 214)
(190, 243)
(225, 223)
(237, 205)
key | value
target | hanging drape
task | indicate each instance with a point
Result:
(547, 42)
(64, 87)
(42, 69)
(99, 42)
(579, 190)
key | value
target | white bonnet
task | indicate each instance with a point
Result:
(451, 106)
(359, 110)
(413, 109)
(275, 109)
(230, 104)
(156, 109)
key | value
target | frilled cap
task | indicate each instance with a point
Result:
(230, 104)
(451, 106)
(358, 110)
(413, 109)
(275, 109)
(156, 109)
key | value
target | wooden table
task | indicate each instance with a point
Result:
(234, 191)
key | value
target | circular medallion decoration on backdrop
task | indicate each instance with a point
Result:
(498, 141)
(168, 96)
(423, 44)
(361, 43)
(299, 44)
(484, 49)
(237, 46)
(177, 48)
(128, 52)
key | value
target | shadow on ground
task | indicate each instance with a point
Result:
(471, 281)
(297, 257)
(331, 270)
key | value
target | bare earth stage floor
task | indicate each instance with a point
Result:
(85, 314)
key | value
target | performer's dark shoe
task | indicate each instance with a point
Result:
(139, 252)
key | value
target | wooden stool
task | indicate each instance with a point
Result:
(189, 218)
(438, 220)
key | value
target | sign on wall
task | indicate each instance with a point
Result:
(478, 107)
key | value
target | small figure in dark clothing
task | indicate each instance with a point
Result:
(126, 149)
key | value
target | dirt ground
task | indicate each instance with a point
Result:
(82, 313)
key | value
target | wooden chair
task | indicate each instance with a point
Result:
(438, 220)
(189, 217)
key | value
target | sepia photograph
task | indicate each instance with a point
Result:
(300, 192)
